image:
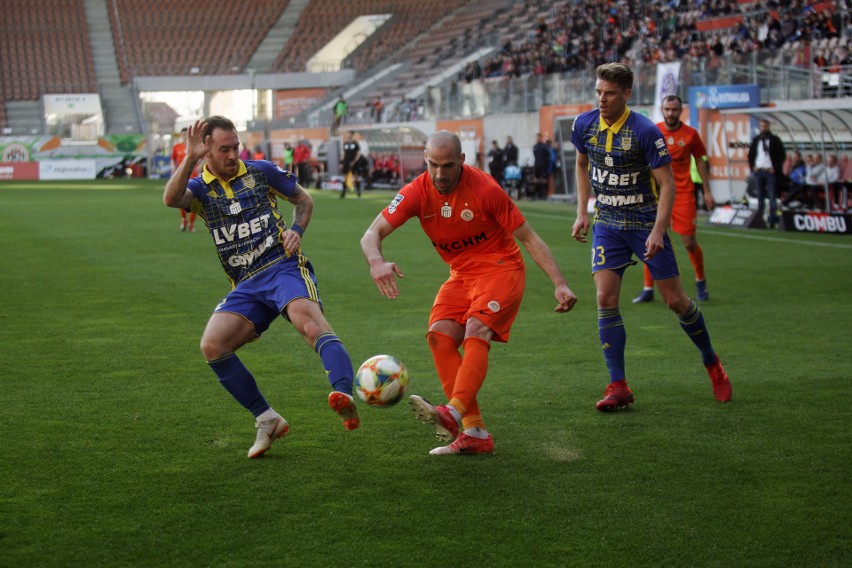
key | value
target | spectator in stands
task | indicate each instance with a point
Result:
(245, 153)
(834, 181)
(258, 153)
(797, 194)
(510, 151)
(766, 157)
(379, 107)
(846, 168)
(496, 161)
(178, 154)
(815, 178)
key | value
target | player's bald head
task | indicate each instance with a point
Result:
(444, 160)
(443, 141)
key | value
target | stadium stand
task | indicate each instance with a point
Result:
(182, 37)
(44, 50)
(321, 20)
(445, 43)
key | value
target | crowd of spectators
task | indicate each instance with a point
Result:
(815, 184)
(648, 32)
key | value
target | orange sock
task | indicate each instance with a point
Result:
(445, 354)
(182, 214)
(192, 218)
(649, 280)
(469, 380)
(696, 257)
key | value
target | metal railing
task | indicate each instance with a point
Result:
(783, 75)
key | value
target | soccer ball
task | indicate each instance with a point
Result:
(381, 380)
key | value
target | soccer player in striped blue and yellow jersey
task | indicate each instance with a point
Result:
(623, 158)
(262, 257)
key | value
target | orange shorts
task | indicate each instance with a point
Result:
(684, 214)
(494, 299)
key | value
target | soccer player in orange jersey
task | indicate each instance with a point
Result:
(472, 224)
(683, 143)
(178, 154)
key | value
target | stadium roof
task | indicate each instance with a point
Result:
(824, 123)
(389, 137)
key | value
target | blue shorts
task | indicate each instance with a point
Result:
(613, 249)
(265, 296)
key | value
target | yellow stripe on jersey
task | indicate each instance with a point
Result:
(614, 128)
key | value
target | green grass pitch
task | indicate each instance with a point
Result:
(119, 448)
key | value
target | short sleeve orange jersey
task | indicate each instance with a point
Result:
(683, 143)
(471, 229)
(178, 153)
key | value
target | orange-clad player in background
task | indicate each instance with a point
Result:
(684, 143)
(178, 154)
(472, 224)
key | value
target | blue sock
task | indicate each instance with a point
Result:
(238, 381)
(613, 339)
(335, 359)
(692, 323)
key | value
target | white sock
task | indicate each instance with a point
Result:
(480, 433)
(267, 414)
(651, 289)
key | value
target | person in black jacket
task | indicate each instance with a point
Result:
(766, 157)
(510, 152)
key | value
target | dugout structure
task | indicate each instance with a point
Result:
(406, 142)
(823, 127)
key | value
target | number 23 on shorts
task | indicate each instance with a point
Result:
(598, 256)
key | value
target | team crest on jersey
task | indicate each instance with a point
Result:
(626, 142)
(681, 143)
(235, 208)
(494, 306)
(446, 211)
(395, 203)
(467, 214)
(670, 140)
(249, 182)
